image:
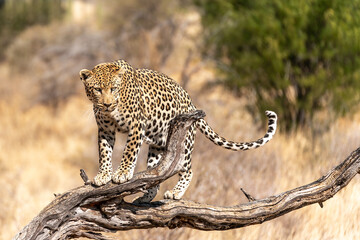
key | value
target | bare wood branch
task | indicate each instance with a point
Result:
(87, 211)
(248, 196)
(84, 177)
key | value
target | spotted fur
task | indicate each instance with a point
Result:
(141, 103)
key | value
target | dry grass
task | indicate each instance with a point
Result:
(43, 150)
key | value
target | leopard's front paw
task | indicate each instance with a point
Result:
(171, 194)
(101, 178)
(121, 176)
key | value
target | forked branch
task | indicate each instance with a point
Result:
(87, 211)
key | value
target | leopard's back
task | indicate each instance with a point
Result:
(163, 100)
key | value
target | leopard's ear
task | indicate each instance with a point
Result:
(120, 70)
(84, 74)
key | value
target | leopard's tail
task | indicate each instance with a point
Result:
(204, 127)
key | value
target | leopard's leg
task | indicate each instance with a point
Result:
(154, 157)
(185, 176)
(128, 162)
(106, 140)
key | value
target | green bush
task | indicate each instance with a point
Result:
(296, 57)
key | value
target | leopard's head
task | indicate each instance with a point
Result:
(102, 85)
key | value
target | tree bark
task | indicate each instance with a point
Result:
(88, 211)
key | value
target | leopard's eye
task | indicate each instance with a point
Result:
(97, 90)
(113, 89)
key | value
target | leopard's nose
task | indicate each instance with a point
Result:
(107, 105)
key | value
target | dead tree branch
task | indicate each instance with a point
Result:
(87, 211)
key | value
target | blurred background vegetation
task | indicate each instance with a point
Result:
(296, 57)
(17, 15)
(236, 58)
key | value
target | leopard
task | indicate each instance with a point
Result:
(141, 103)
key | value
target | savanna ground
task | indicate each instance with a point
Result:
(44, 143)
